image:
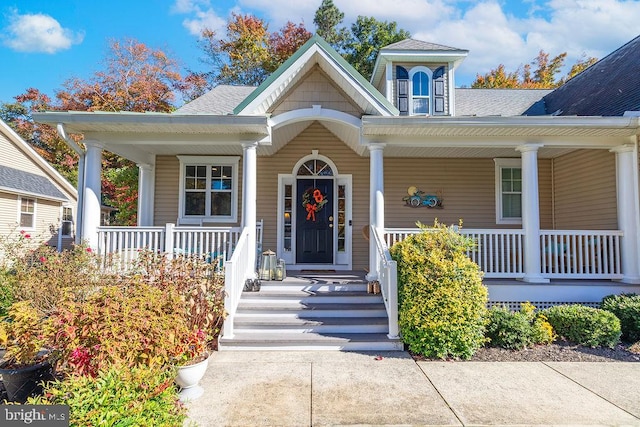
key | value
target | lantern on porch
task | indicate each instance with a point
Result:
(268, 265)
(281, 270)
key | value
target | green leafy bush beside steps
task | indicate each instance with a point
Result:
(442, 301)
(123, 396)
(585, 325)
(626, 307)
(516, 330)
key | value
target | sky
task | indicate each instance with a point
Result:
(43, 43)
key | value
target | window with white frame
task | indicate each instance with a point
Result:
(67, 221)
(27, 213)
(208, 189)
(508, 191)
(420, 78)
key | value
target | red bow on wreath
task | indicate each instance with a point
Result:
(310, 196)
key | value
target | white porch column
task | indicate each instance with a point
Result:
(249, 196)
(146, 185)
(628, 210)
(376, 203)
(531, 213)
(92, 193)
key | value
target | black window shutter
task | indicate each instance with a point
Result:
(402, 80)
(438, 91)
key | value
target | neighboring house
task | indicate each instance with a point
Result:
(326, 159)
(34, 197)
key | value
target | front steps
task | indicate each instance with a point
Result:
(311, 312)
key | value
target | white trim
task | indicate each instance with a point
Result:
(499, 164)
(429, 73)
(234, 162)
(62, 220)
(34, 215)
(314, 113)
(342, 261)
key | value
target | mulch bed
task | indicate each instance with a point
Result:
(560, 351)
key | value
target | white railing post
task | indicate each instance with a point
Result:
(388, 277)
(394, 331)
(168, 240)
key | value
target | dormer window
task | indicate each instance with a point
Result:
(420, 80)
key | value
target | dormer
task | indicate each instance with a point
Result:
(418, 77)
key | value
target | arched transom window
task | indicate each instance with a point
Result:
(315, 167)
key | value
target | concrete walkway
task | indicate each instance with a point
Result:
(340, 388)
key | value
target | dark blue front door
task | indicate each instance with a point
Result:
(314, 221)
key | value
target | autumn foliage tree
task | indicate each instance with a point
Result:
(135, 77)
(544, 76)
(249, 53)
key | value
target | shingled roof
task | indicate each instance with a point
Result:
(23, 182)
(413, 44)
(609, 87)
(499, 102)
(222, 99)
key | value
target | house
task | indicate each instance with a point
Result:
(34, 197)
(338, 168)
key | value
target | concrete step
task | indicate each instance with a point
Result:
(307, 297)
(314, 286)
(310, 310)
(309, 341)
(268, 325)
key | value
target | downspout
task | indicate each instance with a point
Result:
(81, 173)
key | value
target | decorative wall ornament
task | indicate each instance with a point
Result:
(417, 198)
(313, 201)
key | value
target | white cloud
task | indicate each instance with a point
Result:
(203, 16)
(38, 33)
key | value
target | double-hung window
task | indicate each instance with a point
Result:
(508, 191)
(67, 221)
(27, 213)
(208, 189)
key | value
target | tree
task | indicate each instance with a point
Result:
(368, 36)
(135, 78)
(249, 53)
(543, 77)
(327, 18)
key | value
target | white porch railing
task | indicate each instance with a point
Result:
(581, 254)
(237, 271)
(118, 247)
(387, 270)
(567, 254)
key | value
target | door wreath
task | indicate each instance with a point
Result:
(313, 201)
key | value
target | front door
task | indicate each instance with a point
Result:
(314, 221)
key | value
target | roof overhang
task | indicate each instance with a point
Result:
(141, 136)
(495, 136)
(35, 195)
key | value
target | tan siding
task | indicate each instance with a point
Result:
(316, 89)
(15, 158)
(468, 191)
(315, 137)
(585, 190)
(168, 188)
(8, 212)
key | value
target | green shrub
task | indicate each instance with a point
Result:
(516, 330)
(442, 301)
(7, 284)
(585, 325)
(139, 396)
(626, 307)
(129, 324)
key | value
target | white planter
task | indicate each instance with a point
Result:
(188, 378)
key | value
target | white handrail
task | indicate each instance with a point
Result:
(388, 278)
(237, 271)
